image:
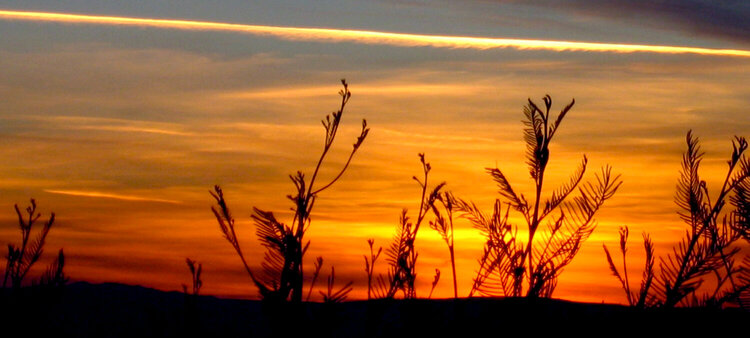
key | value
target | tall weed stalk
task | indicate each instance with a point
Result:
(402, 255)
(710, 247)
(22, 257)
(556, 226)
(282, 274)
(443, 224)
(641, 298)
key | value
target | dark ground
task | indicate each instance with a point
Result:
(116, 310)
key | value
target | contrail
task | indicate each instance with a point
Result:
(367, 37)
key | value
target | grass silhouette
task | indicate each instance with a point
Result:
(282, 273)
(401, 254)
(195, 272)
(336, 296)
(370, 266)
(443, 224)
(641, 298)
(511, 267)
(710, 247)
(22, 257)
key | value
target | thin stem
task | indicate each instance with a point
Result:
(453, 266)
(627, 282)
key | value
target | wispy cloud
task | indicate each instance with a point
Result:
(367, 37)
(381, 89)
(723, 19)
(117, 125)
(97, 194)
(134, 130)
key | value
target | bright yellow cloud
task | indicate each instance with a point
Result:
(368, 37)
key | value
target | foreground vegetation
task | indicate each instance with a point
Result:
(556, 228)
(707, 268)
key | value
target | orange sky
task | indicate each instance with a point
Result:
(121, 131)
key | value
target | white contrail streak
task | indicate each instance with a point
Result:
(367, 37)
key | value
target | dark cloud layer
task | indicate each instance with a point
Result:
(727, 20)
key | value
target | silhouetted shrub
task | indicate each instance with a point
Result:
(640, 299)
(402, 255)
(195, 272)
(512, 267)
(710, 245)
(339, 295)
(281, 276)
(21, 258)
(443, 224)
(370, 266)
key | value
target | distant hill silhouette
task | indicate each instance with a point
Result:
(117, 310)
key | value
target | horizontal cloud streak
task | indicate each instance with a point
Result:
(722, 19)
(368, 37)
(134, 130)
(97, 194)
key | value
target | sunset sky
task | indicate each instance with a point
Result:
(122, 126)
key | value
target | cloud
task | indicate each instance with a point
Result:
(726, 20)
(97, 194)
(367, 37)
(118, 125)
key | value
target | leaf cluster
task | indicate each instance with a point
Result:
(401, 255)
(282, 272)
(709, 248)
(556, 226)
(22, 257)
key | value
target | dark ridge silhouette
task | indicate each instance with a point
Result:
(117, 310)
(282, 273)
(710, 248)
(510, 267)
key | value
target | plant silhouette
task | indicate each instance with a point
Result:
(710, 245)
(21, 258)
(370, 265)
(316, 272)
(54, 276)
(640, 299)
(282, 274)
(192, 316)
(402, 255)
(435, 281)
(338, 296)
(511, 267)
(443, 224)
(195, 272)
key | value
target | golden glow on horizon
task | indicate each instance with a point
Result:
(123, 143)
(368, 37)
(97, 194)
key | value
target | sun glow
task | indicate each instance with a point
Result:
(368, 37)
